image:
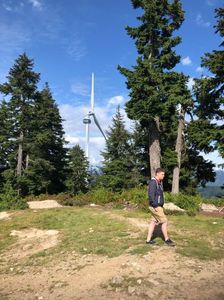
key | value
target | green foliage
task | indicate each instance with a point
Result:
(31, 128)
(10, 199)
(75, 201)
(209, 90)
(154, 89)
(138, 196)
(135, 198)
(154, 43)
(184, 201)
(102, 196)
(77, 174)
(119, 170)
(219, 202)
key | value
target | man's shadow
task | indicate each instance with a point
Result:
(157, 232)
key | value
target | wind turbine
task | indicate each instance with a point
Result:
(87, 119)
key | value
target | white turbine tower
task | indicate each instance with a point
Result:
(87, 119)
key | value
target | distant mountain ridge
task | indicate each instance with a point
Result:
(219, 181)
(214, 189)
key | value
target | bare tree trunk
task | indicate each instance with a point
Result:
(154, 146)
(20, 155)
(27, 161)
(178, 150)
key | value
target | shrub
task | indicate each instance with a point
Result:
(187, 202)
(216, 201)
(10, 199)
(138, 196)
(74, 202)
(102, 196)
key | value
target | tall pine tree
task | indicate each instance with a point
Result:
(32, 133)
(47, 154)
(21, 90)
(209, 93)
(119, 170)
(149, 79)
(78, 171)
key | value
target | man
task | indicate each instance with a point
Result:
(156, 202)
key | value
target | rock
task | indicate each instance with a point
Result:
(153, 282)
(221, 209)
(171, 206)
(43, 204)
(209, 207)
(136, 266)
(27, 247)
(117, 280)
(4, 215)
(131, 290)
(139, 281)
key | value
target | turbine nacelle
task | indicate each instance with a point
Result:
(87, 120)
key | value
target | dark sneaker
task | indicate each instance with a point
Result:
(169, 242)
(151, 242)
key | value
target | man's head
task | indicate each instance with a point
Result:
(160, 173)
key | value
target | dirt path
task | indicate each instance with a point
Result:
(161, 274)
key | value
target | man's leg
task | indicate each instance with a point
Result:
(151, 229)
(164, 228)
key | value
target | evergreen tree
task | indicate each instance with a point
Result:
(32, 149)
(46, 162)
(209, 93)
(150, 81)
(4, 140)
(21, 90)
(140, 142)
(78, 171)
(119, 170)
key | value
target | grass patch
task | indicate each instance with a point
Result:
(91, 231)
(199, 236)
(82, 230)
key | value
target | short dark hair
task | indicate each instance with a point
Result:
(160, 170)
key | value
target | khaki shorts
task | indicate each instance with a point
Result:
(158, 216)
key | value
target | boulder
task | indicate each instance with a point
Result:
(43, 204)
(4, 215)
(209, 207)
(171, 206)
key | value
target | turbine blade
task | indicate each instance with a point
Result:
(98, 125)
(92, 94)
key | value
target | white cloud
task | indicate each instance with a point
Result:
(13, 39)
(201, 22)
(75, 47)
(215, 157)
(199, 69)
(186, 61)
(190, 83)
(80, 88)
(211, 2)
(6, 6)
(116, 100)
(36, 4)
(11, 6)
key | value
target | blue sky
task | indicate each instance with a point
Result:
(70, 39)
